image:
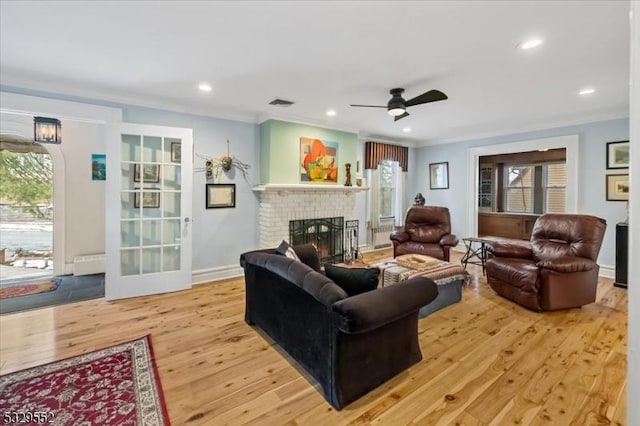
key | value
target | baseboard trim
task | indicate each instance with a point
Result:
(460, 247)
(68, 269)
(202, 276)
(607, 271)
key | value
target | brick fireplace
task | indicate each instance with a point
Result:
(283, 203)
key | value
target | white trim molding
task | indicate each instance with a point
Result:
(570, 143)
(204, 276)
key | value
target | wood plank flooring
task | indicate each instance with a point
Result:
(486, 361)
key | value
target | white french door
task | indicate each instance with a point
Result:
(148, 226)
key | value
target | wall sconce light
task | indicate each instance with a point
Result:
(47, 130)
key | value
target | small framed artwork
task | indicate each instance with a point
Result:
(618, 187)
(618, 155)
(98, 167)
(221, 195)
(439, 175)
(176, 152)
(150, 199)
(150, 173)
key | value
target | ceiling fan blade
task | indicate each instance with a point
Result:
(430, 96)
(401, 116)
(369, 106)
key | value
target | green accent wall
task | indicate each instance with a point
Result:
(280, 150)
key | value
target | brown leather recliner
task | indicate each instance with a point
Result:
(427, 230)
(556, 269)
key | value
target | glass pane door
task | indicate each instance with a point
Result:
(149, 180)
(150, 201)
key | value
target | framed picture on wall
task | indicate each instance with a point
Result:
(221, 195)
(618, 155)
(618, 187)
(150, 173)
(439, 175)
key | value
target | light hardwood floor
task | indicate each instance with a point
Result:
(485, 360)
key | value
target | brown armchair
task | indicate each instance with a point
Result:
(427, 230)
(556, 269)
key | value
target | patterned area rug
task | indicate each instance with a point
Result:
(7, 292)
(117, 386)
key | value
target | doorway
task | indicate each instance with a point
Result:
(569, 143)
(26, 211)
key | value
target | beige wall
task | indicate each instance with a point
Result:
(85, 203)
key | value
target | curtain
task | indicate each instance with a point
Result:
(374, 199)
(375, 152)
(399, 194)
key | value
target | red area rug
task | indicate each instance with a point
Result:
(26, 289)
(117, 386)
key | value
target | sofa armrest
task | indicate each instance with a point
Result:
(375, 308)
(449, 240)
(399, 237)
(567, 264)
(511, 248)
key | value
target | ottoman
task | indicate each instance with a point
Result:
(450, 278)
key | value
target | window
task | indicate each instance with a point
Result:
(535, 188)
(387, 188)
(555, 188)
(485, 199)
(518, 188)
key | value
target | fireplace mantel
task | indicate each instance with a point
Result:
(302, 187)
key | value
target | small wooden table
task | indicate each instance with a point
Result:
(476, 253)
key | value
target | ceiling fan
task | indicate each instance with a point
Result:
(397, 106)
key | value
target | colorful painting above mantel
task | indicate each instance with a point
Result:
(318, 160)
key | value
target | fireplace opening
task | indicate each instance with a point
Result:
(325, 233)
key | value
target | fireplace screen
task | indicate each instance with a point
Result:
(326, 234)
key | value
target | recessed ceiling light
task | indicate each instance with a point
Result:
(205, 87)
(406, 129)
(587, 91)
(331, 112)
(530, 44)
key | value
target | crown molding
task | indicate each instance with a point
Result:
(306, 122)
(613, 115)
(83, 94)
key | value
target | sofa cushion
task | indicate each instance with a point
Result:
(433, 250)
(353, 280)
(286, 250)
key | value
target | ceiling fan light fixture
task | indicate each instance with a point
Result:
(396, 111)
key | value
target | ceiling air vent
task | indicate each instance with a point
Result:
(281, 103)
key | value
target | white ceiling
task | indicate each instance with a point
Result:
(330, 54)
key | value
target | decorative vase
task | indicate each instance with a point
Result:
(348, 181)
